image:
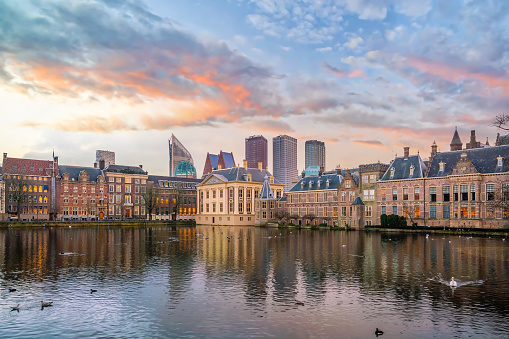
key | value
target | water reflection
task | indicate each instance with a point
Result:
(238, 281)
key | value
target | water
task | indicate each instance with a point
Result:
(238, 282)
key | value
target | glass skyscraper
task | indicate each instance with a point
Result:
(178, 153)
(315, 153)
(284, 152)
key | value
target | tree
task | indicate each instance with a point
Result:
(150, 200)
(177, 197)
(501, 121)
(410, 213)
(499, 201)
(309, 217)
(281, 215)
(18, 193)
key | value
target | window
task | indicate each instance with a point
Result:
(214, 208)
(405, 193)
(368, 211)
(325, 212)
(395, 210)
(207, 194)
(352, 195)
(472, 192)
(241, 193)
(455, 192)
(213, 194)
(472, 212)
(433, 195)
(207, 206)
(490, 192)
(412, 170)
(264, 215)
(441, 168)
(241, 208)
(119, 188)
(446, 212)
(417, 211)
(394, 194)
(248, 208)
(343, 196)
(372, 178)
(264, 204)
(384, 193)
(347, 184)
(405, 211)
(365, 179)
(119, 180)
(464, 211)
(392, 172)
(325, 197)
(416, 193)
(343, 211)
(433, 211)
(464, 192)
(384, 209)
(446, 193)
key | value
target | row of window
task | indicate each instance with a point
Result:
(459, 193)
(166, 183)
(136, 181)
(324, 211)
(182, 211)
(368, 179)
(84, 189)
(127, 189)
(28, 209)
(313, 197)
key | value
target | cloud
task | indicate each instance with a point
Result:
(369, 142)
(340, 73)
(324, 49)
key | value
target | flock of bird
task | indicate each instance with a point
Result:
(43, 303)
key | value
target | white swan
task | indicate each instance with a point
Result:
(453, 283)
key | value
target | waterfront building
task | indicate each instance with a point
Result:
(314, 153)
(104, 159)
(369, 176)
(228, 196)
(81, 194)
(29, 188)
(348, 191)
(2, 198)
(176, 197)
(284, 151)
(265, 204)
(178, 153)
(314, 199)
(126, 187)
(256, 151)
(219, 161)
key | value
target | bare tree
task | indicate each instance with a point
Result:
(499, 201)
(18, 193)
(410, 212)
(177, 198)
(150, 200)
(501, 121)
(309, 217)
(281, 215)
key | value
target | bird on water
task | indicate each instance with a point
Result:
(453, 282)
(12, 290)
(378, 332)
(92, 291)
(15, 308)
(46, 304)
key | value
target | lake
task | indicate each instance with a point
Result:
(248, 282)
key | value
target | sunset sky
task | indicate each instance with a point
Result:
(367, 77)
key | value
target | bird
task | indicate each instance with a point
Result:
(12, 290)
(378, 332)
(453, 283)
(298, 302)
(15, 308)
(46, 304)
(92, 291)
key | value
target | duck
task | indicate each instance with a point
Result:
(15, 308)
(378, 332)
(298, 302)
(92, 290)
(453, 283)
(46, 304)
(12, 290)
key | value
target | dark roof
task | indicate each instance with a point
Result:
(317, 183)
(484, 160)
(282, 199)
(156, 179)
(456, 138)
(266, 191)
(240, 174)
(358, 201)
(75, 172)
(228, 160)
(502, 140)
(402, 168)
(125, 169)
(214, 158)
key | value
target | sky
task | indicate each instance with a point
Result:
(367, 77)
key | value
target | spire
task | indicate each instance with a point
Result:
(456, 144)
(487, 142)
(266, 191)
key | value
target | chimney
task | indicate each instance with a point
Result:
(407, 152)
(322, 169)
(303, 174)
(56, 160)
(141, 166)
(5, 155)
(434, 148)
(219, 166)
(338, 170)
(260, 165)
(245, 163)
(95, 165)
(101, 164)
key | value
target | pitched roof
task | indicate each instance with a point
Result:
(228, 159)
(74, 172)
(483, 159)
(157, 179)
(213, 160)
(266, 191)
(358, 201)
(502, 140)
(125, 169)
(240, 174)
(456, 138)
(402, 168)
(317, 183)
(27, 166)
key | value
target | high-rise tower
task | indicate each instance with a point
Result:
(256, 151)
(178, 153)
(284, 151)
(315, 153)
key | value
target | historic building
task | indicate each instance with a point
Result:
(181, 161)
(29, 188)
(348, 191)
(265, 204)
(284, 160)
(256, 151)
(81, 194)
(314, 199)
(126, 187)
(219, 161)
(176, 197)
(228, 196)
(369, 176)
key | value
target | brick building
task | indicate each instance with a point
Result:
(176, 197)
(348, 191)
(369, 176)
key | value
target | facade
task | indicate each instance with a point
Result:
(2, 199)
(219, 161)
(81, 194)
(315, 153)
(348, 191)
(104, 158)
(284, 151)
(314, 199)
(256, 151)
(176, 197)
(178, 153)
(265, 204)
(369, 176)
(228, 196)
(126, 187)
(29, 188)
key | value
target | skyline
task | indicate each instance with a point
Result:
(365, 77)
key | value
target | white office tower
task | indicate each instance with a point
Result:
(284, 152)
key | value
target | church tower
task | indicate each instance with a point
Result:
(456, 144)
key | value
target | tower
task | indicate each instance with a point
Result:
(284, 152)
(315, 153)
(256, 151)
(456, 144)
(177, 153)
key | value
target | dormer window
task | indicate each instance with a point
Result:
(327, 183)
(310, 183)
(392, 172)
(441, 166)
(412, 170)
(500, 161)
(319, 183)
(249, 177)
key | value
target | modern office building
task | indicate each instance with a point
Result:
(256, 151)
(315, 153)
(178, 154)
(284, 151)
